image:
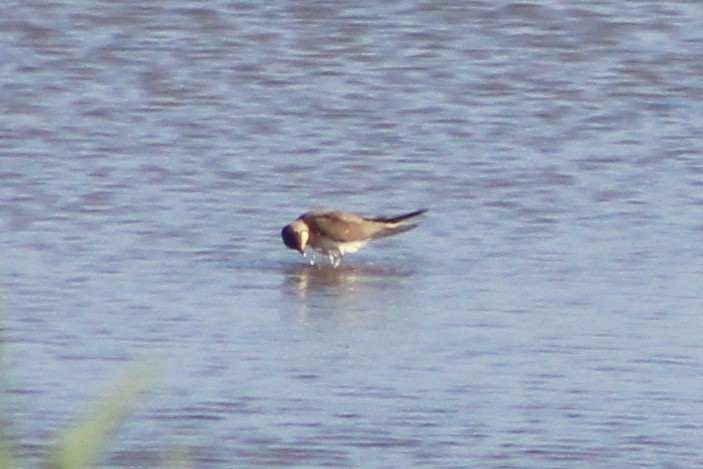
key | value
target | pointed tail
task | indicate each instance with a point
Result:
(401, 218)
(399, 224)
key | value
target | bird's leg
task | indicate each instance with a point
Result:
(335, 259)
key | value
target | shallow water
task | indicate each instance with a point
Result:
(545, 314)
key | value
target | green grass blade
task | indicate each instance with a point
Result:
(81, 445)
(5, 458)
(6, 461)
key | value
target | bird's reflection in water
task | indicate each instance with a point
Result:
(306, 278)
(323, 291)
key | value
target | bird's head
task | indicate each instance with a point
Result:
(296, 236)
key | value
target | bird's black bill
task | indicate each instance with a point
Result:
(290, 239)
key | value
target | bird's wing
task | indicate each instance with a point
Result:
(341, 226)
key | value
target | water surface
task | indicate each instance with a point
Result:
(545, 314)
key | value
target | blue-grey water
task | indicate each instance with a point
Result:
(546, 314)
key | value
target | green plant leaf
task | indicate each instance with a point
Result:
(81, 445)
(5, 458)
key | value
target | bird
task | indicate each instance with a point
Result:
(337, 232)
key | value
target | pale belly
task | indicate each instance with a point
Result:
(327, 246)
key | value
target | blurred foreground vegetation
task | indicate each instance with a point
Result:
(81, 445)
